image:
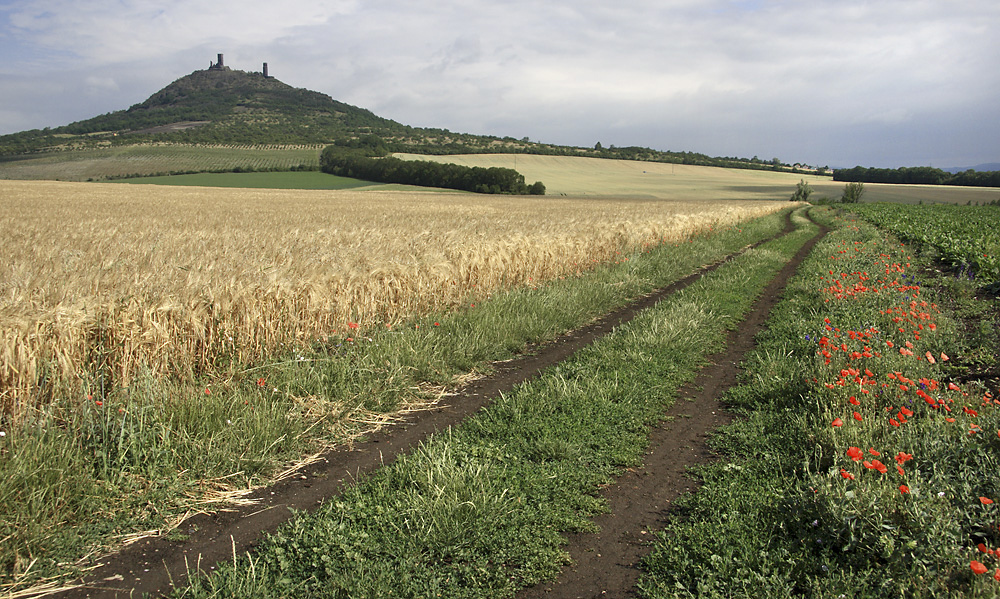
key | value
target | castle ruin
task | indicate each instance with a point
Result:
(220, 66)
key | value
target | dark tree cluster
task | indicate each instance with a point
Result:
(918, 175)
(364, 162)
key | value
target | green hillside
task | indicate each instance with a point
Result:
(227, 108)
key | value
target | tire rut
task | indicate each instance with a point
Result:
(606, 563)
(152, 566)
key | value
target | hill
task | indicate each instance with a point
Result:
(220, 106)
(212, 106)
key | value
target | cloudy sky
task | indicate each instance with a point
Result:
(872, 82)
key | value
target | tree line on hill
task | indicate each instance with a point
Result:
(918, 175)
(367, 158)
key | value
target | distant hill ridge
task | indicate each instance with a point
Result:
(225, 106)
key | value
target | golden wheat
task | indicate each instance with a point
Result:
(114, 278)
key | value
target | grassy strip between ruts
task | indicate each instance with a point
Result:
(478, 510)
(865, 464)
(135, 460)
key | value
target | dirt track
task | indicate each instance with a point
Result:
(605, 562)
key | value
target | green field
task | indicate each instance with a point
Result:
(99, 164)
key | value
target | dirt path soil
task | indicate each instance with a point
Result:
(606, 563)
(153, 565)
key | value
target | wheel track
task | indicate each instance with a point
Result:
(153, 565)
(606, 563)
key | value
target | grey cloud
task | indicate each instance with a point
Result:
(839, 83)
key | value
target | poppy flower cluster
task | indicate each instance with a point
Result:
(867, 368)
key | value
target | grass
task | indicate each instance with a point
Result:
(83, 474)
(478, 510)
(840, 386)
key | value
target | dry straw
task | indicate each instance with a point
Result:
(101, 281)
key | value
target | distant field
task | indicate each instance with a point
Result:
(154, 159)
(577, 176)
(562, 175)
(269, 180)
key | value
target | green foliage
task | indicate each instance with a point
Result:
(918, 175)
(358, 162)
(802, 191)
(852, 193)
(964, 237)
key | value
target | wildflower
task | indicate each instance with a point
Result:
(857, 416)
(904, 489)
(854, 453)
(261, 382)
(846, 474)
(872, 451)
(985, 500)
(353, 325)
(903, 457)
(977, 567)
(837, 422)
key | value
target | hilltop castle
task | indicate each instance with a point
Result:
(219, 66)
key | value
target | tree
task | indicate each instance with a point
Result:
(853, 192)
(802, 192)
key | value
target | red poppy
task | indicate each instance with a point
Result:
(872, 451)
(855, 453)
(261, 382)
(857, 416)
(353, 325)
(837, 422)
(846, 474)
(904, 489)
(903, 457)
(985, 500)
(977, 567)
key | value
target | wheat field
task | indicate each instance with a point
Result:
(113, 279)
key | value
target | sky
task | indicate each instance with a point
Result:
(884, 83)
